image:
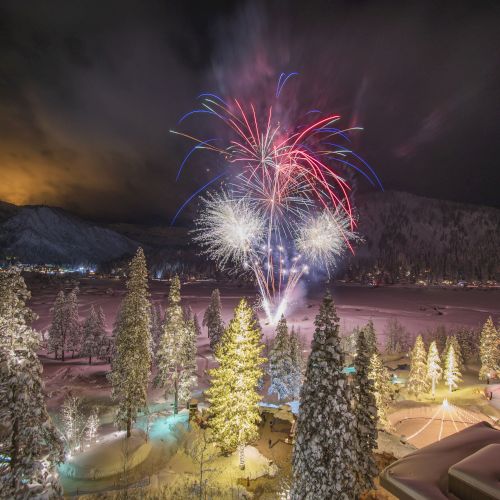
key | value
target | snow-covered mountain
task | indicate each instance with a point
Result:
(42, 235)
(412, 237)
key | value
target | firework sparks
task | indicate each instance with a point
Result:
(286, 206)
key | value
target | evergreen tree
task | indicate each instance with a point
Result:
(196, 323)
(299, 360)
(131, 365)
(28, 436)
(57, 332)
(92, 426)
(379, 374)
(176, 356)
(234, 401)
(365, 411)
(156, 327)
(213, 320)
(73, 327)
(418, 382)
(93, 334)
(452, 373)
(281, 369)
(434, 370)
(325, 453)
(371, 338)
(451, 340)
(489, 350)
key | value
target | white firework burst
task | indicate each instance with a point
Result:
(322, 238)
(228, 229)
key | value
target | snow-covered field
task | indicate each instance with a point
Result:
(416, 308)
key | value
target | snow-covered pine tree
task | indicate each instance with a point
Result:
(451, 340)
(176, 355)
(434, 370)
(298, 358)
(325, 453)
(73, 327)
(371, 338)
(452, 375)
(73, 423)
(418, 383)
(489, 350)
(131, 365)
(383, 388)
(28, 437)
(282, 372)
(212, 319)
(57, 341)
(156, 327)
(196, 323)
(234, 400)
(365, 411)
(92, 336)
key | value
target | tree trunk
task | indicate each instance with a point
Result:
(176, 397)
(90, 360)
(129, 422)
(55, 353)
(62, 355)
(242, 456)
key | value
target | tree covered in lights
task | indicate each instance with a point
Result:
(365, 411)
(418, 383)
(212, 319)
(489, 350)
(452, 375)
(131, 365)
(325, 453)
(176, 355)
(451, 341)
(156, 327)
(234, 400)
(379, 374)
(28, 437)
(285, 375)
(92, 426)
(434, 370)
(73, 423)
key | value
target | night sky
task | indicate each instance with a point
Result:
(90, 89)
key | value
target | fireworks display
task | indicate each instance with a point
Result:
(285, 206)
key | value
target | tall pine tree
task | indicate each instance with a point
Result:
(176, 355)
(285, 377)
(434, 370)
(418, 383)
(452, 375)
(365, 411)
(489, 350)
(379, 374)
(324, 458)
(28, 437)
(131, 366)
(213, 320)
(93, 334)
(234, 400)
(73, 327)
(371, 338)
(57, 332)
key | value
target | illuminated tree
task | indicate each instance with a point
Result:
(365, 412)
(418, 382)
(489, 350)
(92, 426)
(213, 320)
(156, 327)
(28, 437)
(176, 356)
(379, 374)
(73, 423)
(325, 453)
(452, 373)
(234, 400)
(131, 365)
(434, 370)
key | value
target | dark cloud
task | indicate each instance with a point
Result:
(89, 91)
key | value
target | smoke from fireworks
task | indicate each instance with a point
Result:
(285, 206)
